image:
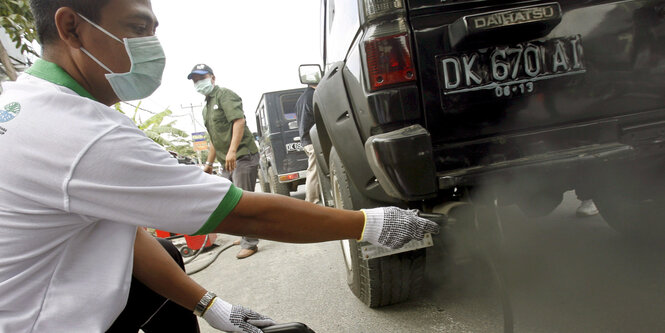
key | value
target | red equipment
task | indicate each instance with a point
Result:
(194, 243)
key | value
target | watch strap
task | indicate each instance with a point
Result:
(203, 304)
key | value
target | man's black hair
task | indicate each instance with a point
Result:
(44, 13)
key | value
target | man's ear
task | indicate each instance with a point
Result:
(67, 23)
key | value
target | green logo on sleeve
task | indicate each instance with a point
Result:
(9, 112)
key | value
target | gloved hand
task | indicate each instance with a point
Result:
(393, 227)
(233, 318)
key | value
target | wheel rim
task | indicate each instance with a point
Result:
(273, 183)
(322, 197)
(346, 249)
(346, 244)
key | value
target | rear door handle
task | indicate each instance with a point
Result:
(505, 26)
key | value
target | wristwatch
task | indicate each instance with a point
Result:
(203, 304)
(208, 163)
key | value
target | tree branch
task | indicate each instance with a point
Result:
(7, 63)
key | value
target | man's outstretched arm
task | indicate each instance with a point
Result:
(285, 219)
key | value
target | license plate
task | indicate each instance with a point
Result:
(293, 146)
(508, 71)
(375, 251)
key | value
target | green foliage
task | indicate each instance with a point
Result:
(182, 149)
(166, 135)
(17, 20)
(118, 108)
(186, 149)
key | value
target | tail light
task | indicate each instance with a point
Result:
(378, 8)
(389, 60)
(289, 177)
(387, 44)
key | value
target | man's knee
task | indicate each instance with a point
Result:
(172, 251)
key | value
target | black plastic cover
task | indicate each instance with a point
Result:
(288, 328)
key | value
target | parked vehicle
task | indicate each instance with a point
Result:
(283, 162)
(434, 104)
(182, 159)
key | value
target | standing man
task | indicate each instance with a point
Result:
(305, 115)
(231, 140)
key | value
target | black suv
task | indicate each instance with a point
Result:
(428, 104)
(283, 162)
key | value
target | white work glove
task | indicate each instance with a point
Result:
(393, 227)
(234, 318)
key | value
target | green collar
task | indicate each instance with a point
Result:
(55, 74)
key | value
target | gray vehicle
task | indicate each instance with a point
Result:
(438, 105)
(283, 162)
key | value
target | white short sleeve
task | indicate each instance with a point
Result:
(125, 177)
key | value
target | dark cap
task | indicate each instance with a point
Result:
(201, 69)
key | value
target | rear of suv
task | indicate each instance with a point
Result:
(424, 103)
(283, 162)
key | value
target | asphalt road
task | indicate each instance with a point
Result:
(563, 274)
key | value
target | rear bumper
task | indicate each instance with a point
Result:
(402, 163)
(556, 167)
(292, 176)
(408, 168)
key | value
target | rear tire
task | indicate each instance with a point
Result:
(325, 190)
(633, 217)
(628, 202)
(540, 204)
(381, 281)
(275, 186)
(265, 185)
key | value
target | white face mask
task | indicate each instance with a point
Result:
(204, 86)
(147, 66)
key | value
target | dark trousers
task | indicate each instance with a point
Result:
(244, 177)
(245, 173)
(150, 312)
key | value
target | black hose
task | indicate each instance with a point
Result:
(506, 306)
(492, 242)
(205, 241)
(210, 261)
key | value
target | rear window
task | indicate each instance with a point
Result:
(289, 105)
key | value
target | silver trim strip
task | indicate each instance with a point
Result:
(375, 251)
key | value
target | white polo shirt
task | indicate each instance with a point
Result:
(76, 180)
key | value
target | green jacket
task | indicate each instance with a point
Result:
(223, 106)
